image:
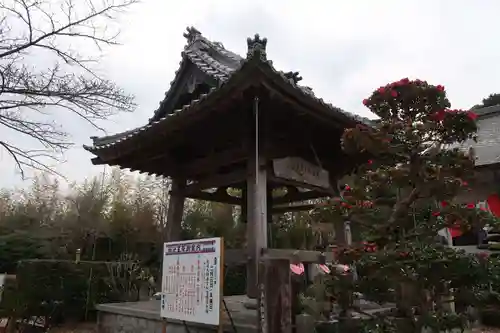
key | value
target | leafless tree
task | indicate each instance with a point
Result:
(68, 34)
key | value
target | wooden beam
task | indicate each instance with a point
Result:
(217, 180)
(292, 208)
(304, 256)
(218, 196)
(283, 181)
(294, 196)
(207, 164)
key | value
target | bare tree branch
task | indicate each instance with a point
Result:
(29, 96)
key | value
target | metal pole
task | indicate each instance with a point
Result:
(257, 214)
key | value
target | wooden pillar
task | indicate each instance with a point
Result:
(172, 231)
(256, 220)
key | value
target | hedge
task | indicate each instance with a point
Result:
(66, 290)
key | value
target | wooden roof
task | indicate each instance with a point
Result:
(227, 74)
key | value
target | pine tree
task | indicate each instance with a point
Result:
(402, 194)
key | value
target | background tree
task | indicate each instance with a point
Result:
(47, 52)
(400, 198)
(491, 100)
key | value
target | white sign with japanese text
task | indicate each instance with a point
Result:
(192, 281)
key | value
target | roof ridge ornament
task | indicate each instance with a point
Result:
(293, 76)
(191, 34)
(257, 47)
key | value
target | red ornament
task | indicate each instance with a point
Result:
(436, 213)
(494, 204)
(440, 88)
(365, 102)
(444, 204)
(471, 205)
(394, 93)
(381, 90)
(370, 162)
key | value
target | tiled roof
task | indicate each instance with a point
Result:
(220, 64)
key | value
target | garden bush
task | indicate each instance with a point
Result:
(66, 290)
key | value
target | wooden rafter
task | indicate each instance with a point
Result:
(220, 195)
(218, 180)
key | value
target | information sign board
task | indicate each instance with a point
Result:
(192, 281)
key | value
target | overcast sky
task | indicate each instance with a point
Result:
(343, 50)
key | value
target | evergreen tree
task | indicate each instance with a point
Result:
(400, 197)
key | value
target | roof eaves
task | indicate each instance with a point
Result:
(487, 111)
(125, 136)
(305, 91)
(211, 67)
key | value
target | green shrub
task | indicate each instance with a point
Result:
(66, 290)
(235, 281)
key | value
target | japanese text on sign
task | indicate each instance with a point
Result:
(191, 281)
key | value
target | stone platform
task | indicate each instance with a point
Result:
(144, 317)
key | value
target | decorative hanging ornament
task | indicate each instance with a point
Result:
(297, 269)
(324, 268)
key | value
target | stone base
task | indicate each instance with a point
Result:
(144, 317)
(250, 304)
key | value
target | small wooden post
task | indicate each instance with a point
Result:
(275, 297)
